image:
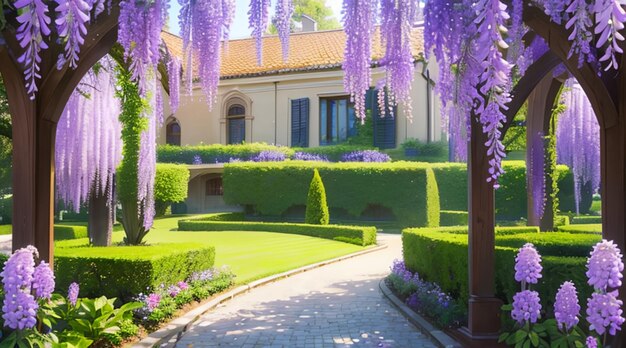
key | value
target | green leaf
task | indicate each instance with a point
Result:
(503, 337)
(534, 338)
(520, 335)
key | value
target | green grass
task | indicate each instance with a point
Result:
(6, 229)
(582, 228)
(250, 255)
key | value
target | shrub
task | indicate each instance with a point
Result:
(560, 220)
(566, 195)
(316, 206)
(408, 189)
(63, 232)
(216, 153)
(580, 220)
(589, 229)
(441, 257)
(221, 217)
(453, 218)
(333, 153)
(6, 211)
(359, 235)
(432, 149)
(365, 156)
(269, 156)
(170, 185)
(510, 197)
(125, 271)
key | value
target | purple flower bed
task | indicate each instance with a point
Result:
(304, 156)
(365, 156)
(268, 156)
(425, 297)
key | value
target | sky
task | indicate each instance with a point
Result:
(239, 29)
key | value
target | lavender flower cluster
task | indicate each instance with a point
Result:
(268, 156)
(305, 156)
(526, 303)
(365, 156)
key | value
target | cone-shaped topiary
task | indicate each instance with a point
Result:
(316, 207)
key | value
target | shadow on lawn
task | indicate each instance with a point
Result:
(350, 313)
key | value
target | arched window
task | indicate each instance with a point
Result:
(172, 133)
(214, 187)
(236, 116)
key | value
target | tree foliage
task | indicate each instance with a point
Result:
(316, 9)
(316, 206)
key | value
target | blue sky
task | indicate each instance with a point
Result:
(239, 29)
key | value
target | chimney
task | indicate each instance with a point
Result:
(308, 24)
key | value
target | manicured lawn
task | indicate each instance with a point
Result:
(6, 229)
(595, 228)
(250, 255)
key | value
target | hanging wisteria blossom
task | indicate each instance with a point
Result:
(282, 21)
(578, 140)
(610, 18)
(257, 21)
(72, 17)
(89, 147)
(33, 28)
(173, 72)
(536, 178)
(358, 21)
(396, 20)
(580, 24)
(203, 24)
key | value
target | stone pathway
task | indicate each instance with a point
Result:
(339, 305)
(5, 244)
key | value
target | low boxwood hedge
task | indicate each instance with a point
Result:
(452, 218)
(333, 153)
(215, 153)
(440, 256)
(588, 228)
(585, 220)
(125, 271)
(552, 243)
(407, 189)
(561, 220)
(63, 232)
(359, 235)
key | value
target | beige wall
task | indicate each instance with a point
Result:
(268, 108)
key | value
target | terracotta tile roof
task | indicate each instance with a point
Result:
(311, 51)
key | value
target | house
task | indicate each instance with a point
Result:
(300, 102)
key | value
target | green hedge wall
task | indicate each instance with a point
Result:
(408, 189)
(440, 256)
(510, 197)
(359, 235)
(584, 220)
(6, 210)
(588, 228)
(64, 232)
(125, 271)
(453, 218)
(334, 153)
(215, 152)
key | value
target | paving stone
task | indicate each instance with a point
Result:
(338, 305)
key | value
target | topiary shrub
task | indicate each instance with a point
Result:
(170, 186)
(316, 206)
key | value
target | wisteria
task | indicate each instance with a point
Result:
(554, 9)
(147, 156)
(578, 140)
(358, 23)
(88, 147)
(203, 24)
(396, 20)
(33, 28)
(72, 17)
(305, 156)
(173, 72)
(580, 24)
(282, 21)
(610, 18)
(536, 178)
(257, 21)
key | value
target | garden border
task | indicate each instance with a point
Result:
(175, 328)
(442, 339)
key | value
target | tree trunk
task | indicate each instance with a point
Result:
(132, 221)
(100, 224)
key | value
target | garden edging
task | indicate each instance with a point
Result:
(175, 328)
(438, 336)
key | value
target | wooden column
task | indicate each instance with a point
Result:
(484, 307)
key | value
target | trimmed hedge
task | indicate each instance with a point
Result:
(453, 218)
(349, 234)
(552, 243)
(125, 271)
(220, 217)
(408, 189)
(588, 229)
(170, 185)
(215, 153)
(334, 153)
(561, 220)
(64, 232)
(585, 220)
(440, 256)
(510, 197)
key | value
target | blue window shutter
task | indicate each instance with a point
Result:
(236, 130)
(300, 122)
(384, 127)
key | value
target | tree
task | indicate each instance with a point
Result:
(316, 9)
(170, 185)
(316, 206)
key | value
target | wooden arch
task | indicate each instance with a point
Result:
(34, 127)
(607, 95)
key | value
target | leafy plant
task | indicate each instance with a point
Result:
(316, 206)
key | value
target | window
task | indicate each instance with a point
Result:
(337, 120)
(214, 187)
(300, 122)
(172, 133)
(236, 116)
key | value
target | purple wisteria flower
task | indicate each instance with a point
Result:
(153, 300)
(365, 156)
(604, 313)
(269, 156)
(605, 266)
(72, 293)
(43, 281)
(566, 307)
(528, 264)
(19, 306)
(591, 342)
(526, 306)
(305, 156)
(173, 73)
(72, 17)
